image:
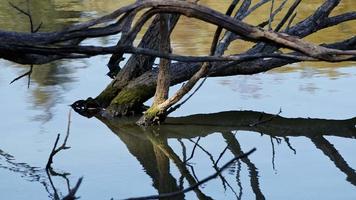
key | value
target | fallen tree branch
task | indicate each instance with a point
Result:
(238, 27)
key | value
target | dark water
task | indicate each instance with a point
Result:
(305, 153)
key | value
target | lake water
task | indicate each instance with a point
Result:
(297, 157)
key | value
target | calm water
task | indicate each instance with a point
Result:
(297, 157)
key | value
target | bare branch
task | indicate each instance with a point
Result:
(219, 29)
(288, 14)
(270, 16)
(290, 22)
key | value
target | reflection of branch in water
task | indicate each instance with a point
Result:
(215, 166)
(166, 182)
(273, 154)
(330, 151)
(184, 149)
(32, 30)
(72, 192)
(196, 185)
(193, 172)
(235, 149)
(32, 174)
(260, 121)
(64, 146)
(238, 180)
(201, 125)
(286, 139)
(51, 172)
(44, 176)
(223, 180)
(225, 183)
(153, 161)
(184, 154)
(168, 151)
(274, 151)
(204, 124)
(221, 155)
(193, 151)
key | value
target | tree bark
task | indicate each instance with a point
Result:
(154, 115)
(137, 80)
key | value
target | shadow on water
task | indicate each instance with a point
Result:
(150, 145)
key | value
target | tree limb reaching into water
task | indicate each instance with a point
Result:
(137, 81)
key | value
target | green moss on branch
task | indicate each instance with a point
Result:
(130, 100)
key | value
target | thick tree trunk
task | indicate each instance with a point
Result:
(123, 96)
(136, 65)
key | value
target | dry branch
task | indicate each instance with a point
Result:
(45, 47)
(208, 15)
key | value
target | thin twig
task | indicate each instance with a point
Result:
(270, 16)
(172, 109)
(290, 21)
(219, 28)
(289, 13)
